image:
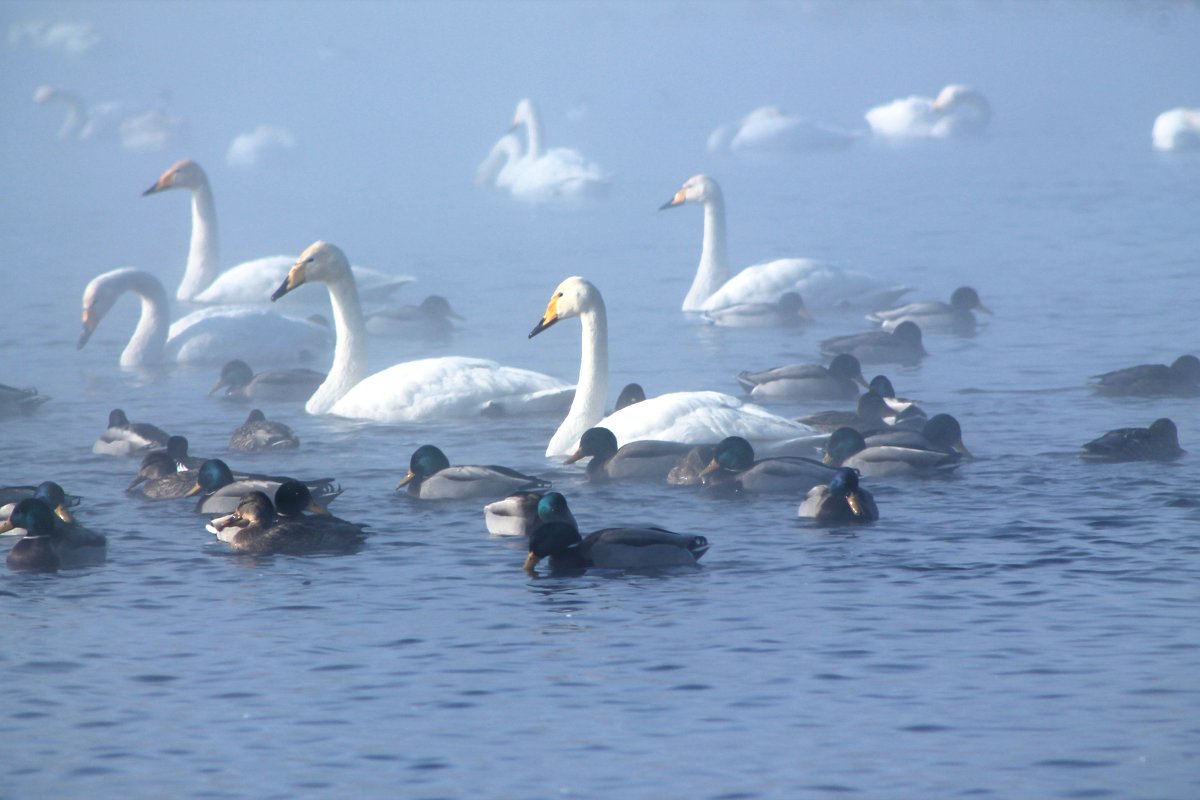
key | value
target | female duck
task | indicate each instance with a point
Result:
(1181, 379)
(900, 346)
(869, 415)
(842, 500)
(430, 477)
(46, 546)
(839, 381)
(521, 513)
(1159, 442)
(936, 317)
(640, 460)
(733, 466)
(159, 478)
(428, 388)
(847, 448)
(253, 527)
(277, 385)
(125, 438)
(221, 491)
(258, 433)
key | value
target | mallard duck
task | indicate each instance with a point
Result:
(430, 477)
(630, 394)
(429, 320)
(159, 478)
(1181, 379)
(1159, 442)
(868, 416)
(125, 438)
(612, 548)
(641, 460)
(19, 402)
(46, 546)
(839, 381)
(253, 527)
(48, 492)
(277, 385)
(258, 433)
(905, 409)
(221, 491)
(733, 466)
(522, 512)
(847, 448)
(177, 449)
(940, 432)
(789, 311)
(841, 500)
(936, 317)
(900, 346)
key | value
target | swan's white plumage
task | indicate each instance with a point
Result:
(1177, 129)
(253, 281)
(769, 130)
(956, 111)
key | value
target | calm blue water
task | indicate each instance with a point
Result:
(1027, 627)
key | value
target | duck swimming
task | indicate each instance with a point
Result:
(645, 459)
(429, 320)
(630, 394)
(839, 381)
(904, 408)
(900, 346)
(278, 385)
(868, 415)
(159, 478)
(258, 433)
(935, 317)
(847, 448)
(125, 438)
(220, 491)
(47, 546)
(254, 527)
(841, 500)
(1159, 442)
(19, 402)
(733, 466)
(940, 432)
(1181, 379)
(430, 477)
(49, 492)
(521, 512)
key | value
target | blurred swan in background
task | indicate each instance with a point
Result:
(429, 388)
(768, 130)
(535, 174)
(248, 282)
(211, 335)
(140, 131)
(957, 111)
(1177, 129)
(821, 285)
(688, 417)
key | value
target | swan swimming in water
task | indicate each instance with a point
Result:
(211, 335)
(688, 417)
(248, 282)
(768, 130)
(821, 285)
(535, 174)
(430, 388)
(957, 111)
(1177, 129)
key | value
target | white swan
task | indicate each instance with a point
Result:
(820, 285)
(689, 417)
(957, 111)
(248, 282)
(769, 130)
(538, 175)
(1177, 129)
(211, 335)
(138, 130)
(429, 388)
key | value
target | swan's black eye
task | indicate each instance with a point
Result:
(308, 260)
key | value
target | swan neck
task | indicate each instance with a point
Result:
(591, 391)
(149, 338)
(202, 253)
(713, 271)
(350, 350)
(533, 133)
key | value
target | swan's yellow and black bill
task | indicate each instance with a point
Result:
(531, 561)
(90, 321)
(157, 187)
(405, 480)
(677, 200)
(295, 277)
(549, 318)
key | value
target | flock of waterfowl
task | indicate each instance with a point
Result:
(694, 438)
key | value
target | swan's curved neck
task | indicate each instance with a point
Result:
(349, 352)
(713, 271)
(533, 134)
(202, 254)
(592, 389)
(77, 116)
(150, 336)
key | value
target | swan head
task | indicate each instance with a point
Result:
(955, 95)
(98, 299)
(696, 189)
(573, 297)
(186, 174)
(320, 261)
(44, 94)
(292, 498)
(526, 112)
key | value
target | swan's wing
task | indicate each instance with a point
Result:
(910, 310)
(560, 174)
(698, 418)
(217, 335)
(820, 284)
(907, 117)
(787, 133)
(252, 282)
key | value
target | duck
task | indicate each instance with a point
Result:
(611, 548)
(900, 346)
(940, 432)
(125, 438)
(787, 312)
(430, 477)
(220, 490)
(412, 391)
(207, 336)
(936, 317)
(1176, 129)
(258, 433)
(839, 381)
(240, 382)
(250, 281)
(1159, 442)
(254, 527)
(841, 500)
(688, 472)
(1181, 379)
(521, 512)
(823, 286)
(47, 546)
(177, 451)
(429, 320)
(688, 417)
(640, 460)
(769, 130)
(869, 415)
(957, 111)
(49, 492)
(847, 448)
(159, 478)
(16, 402)
(904, 408)
(734, 467)
(631, 393)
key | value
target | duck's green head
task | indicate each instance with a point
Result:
(844, 484)
(34, 516)
(553, 508)
(733, 454)
(847, 367)
(53, 495)
(1164, 430)
(909, 333)
(596, 442)
(944, 431)
(213, 474)
(292, 498)
(426, 460)
(551, 539)
(965, 299)
(843, 443)
(234, 375)
(882, 386)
